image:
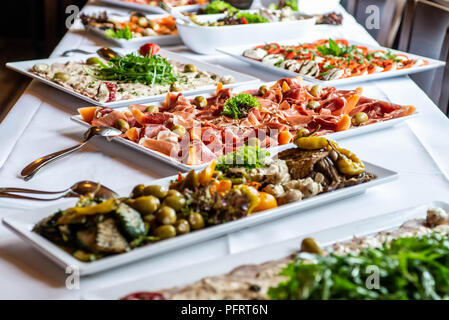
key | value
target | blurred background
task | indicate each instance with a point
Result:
(417, 26)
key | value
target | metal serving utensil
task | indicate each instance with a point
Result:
(77, 190)
(30, 170)
(167, 7)
(105, 53)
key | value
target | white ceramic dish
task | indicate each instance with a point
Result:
(24, 67)
(148, 8)
(223, 265)
(204, 40)
(237, 52)
(23, 226)
(162, 40)
(185, 167)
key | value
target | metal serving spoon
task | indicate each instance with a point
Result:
(167, 7)
(105, 53)
(30, 170)
(78, 189)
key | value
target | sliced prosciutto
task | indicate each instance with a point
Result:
(194, 134)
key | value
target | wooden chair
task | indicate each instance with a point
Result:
(425, 32)
(391, 12)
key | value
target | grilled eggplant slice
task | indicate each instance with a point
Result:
(109, 239)
(131, 221)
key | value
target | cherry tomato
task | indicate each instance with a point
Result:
(149, 48)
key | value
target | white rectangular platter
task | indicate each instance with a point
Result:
(24, 224)
(162, 40)
(148, 8)
(237, 52)
(222, 265)
(185, 167)
(24, 67)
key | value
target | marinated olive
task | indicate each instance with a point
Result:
(253, 141)
(176, 203)
(175, 87)
(157, 191)
(263, 90)
(359, 118)
(316, 90)
(173, 192)
(191, 181)
(61, 76)
(166, 215)
(152, 109)
(143, 22)
(302, 133)
(122, 125)
(196, 220)
(182, 226)
(309, 245)
(165, 232)
(138, 191)
(150, 218)
(179, 130)
(200, 102)
(189, 68)
(313, 105)
(92, 61)
(146, 204)
(153, 25)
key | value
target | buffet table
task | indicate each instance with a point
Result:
(40, 123)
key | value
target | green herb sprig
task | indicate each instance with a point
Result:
(334, 49)
(135, 68)
(124, 33)
(238, 106)
(248, 157)
(408, 268)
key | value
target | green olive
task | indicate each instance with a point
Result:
(196, 221)
(309, 245)
(313, 105)
(146, 204)
(175, 87)
(122, 125)
(302, 133)
(263, 90)
(182, 226)
(143, 22)
(150, 218)
(179, 130)
(359, 118)
(254, 142)
(61, 76)
(153, 25)
(191, 181)
(165, 232)
(138, 191)
(176, 203)
(316, 91)
(157, 191)
(189, 68)
(92, 61)
(174, 192)
(200, 102)
(152, 109)
(166, 215)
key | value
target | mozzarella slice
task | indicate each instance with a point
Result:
(272, 59)
(255, 53)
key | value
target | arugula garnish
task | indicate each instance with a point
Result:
(248, 157)
(135, 68)
(251, 17)
(124, 33)
(238, 106)
(408, 268)
(219, 7)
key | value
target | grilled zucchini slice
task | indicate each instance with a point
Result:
(131, 221)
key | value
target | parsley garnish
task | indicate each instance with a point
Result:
(238, 106)
(124, 33)
(248, 157)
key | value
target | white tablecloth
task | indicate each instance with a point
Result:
(39, 124)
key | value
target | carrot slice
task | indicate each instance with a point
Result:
(138, 115)
(87, 113)
(285, 87)
(284, 137)
(132, 134)
(219, 86)
(193, 157)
